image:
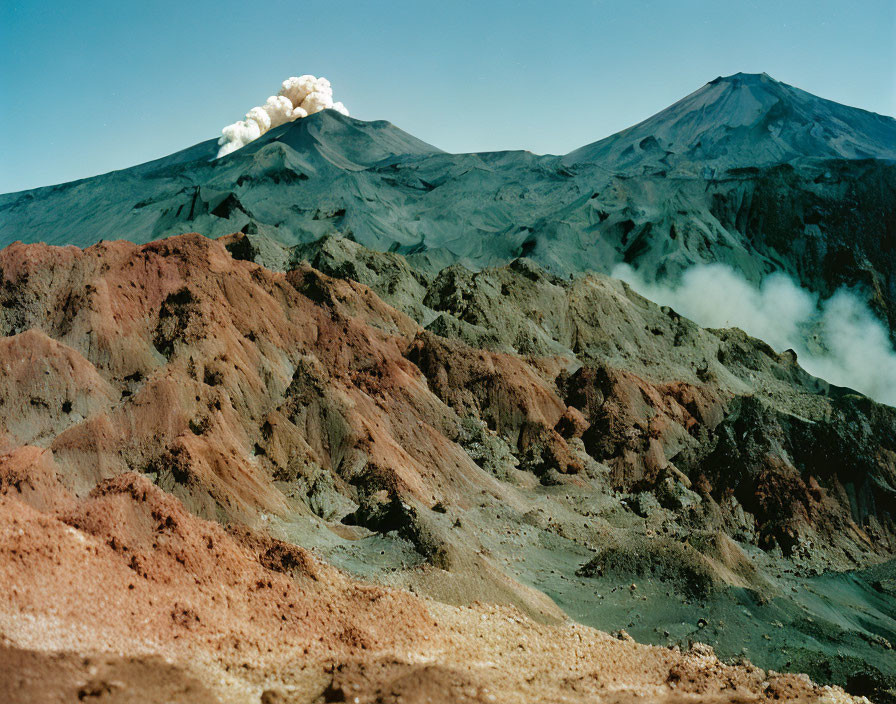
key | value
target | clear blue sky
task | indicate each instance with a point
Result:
(89, 86)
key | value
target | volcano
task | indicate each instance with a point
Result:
(745, 120)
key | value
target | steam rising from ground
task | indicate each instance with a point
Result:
(299, 97)
(838, 339)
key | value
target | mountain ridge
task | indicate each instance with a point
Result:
(207, 149)
(659, 211)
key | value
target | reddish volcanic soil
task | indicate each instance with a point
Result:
(157, 403)
(125, 596)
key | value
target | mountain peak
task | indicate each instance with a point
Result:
(741, 78)
(746, 119)
(343, 141)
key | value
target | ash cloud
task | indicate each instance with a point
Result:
(838, 339)
(299, 97)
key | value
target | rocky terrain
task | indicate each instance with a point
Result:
(404, 501)
(384, 429)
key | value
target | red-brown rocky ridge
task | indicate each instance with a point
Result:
(159, 404)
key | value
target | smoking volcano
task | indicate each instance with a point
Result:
(300, 96)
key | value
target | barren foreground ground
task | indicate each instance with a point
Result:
(126, 597)
(220, 482)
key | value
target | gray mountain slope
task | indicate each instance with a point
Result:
(745, 120)
(191, 190)
(761, 176)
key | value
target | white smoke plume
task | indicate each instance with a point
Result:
(838, 339)
(299, 97)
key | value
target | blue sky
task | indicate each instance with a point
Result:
(91, 86)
